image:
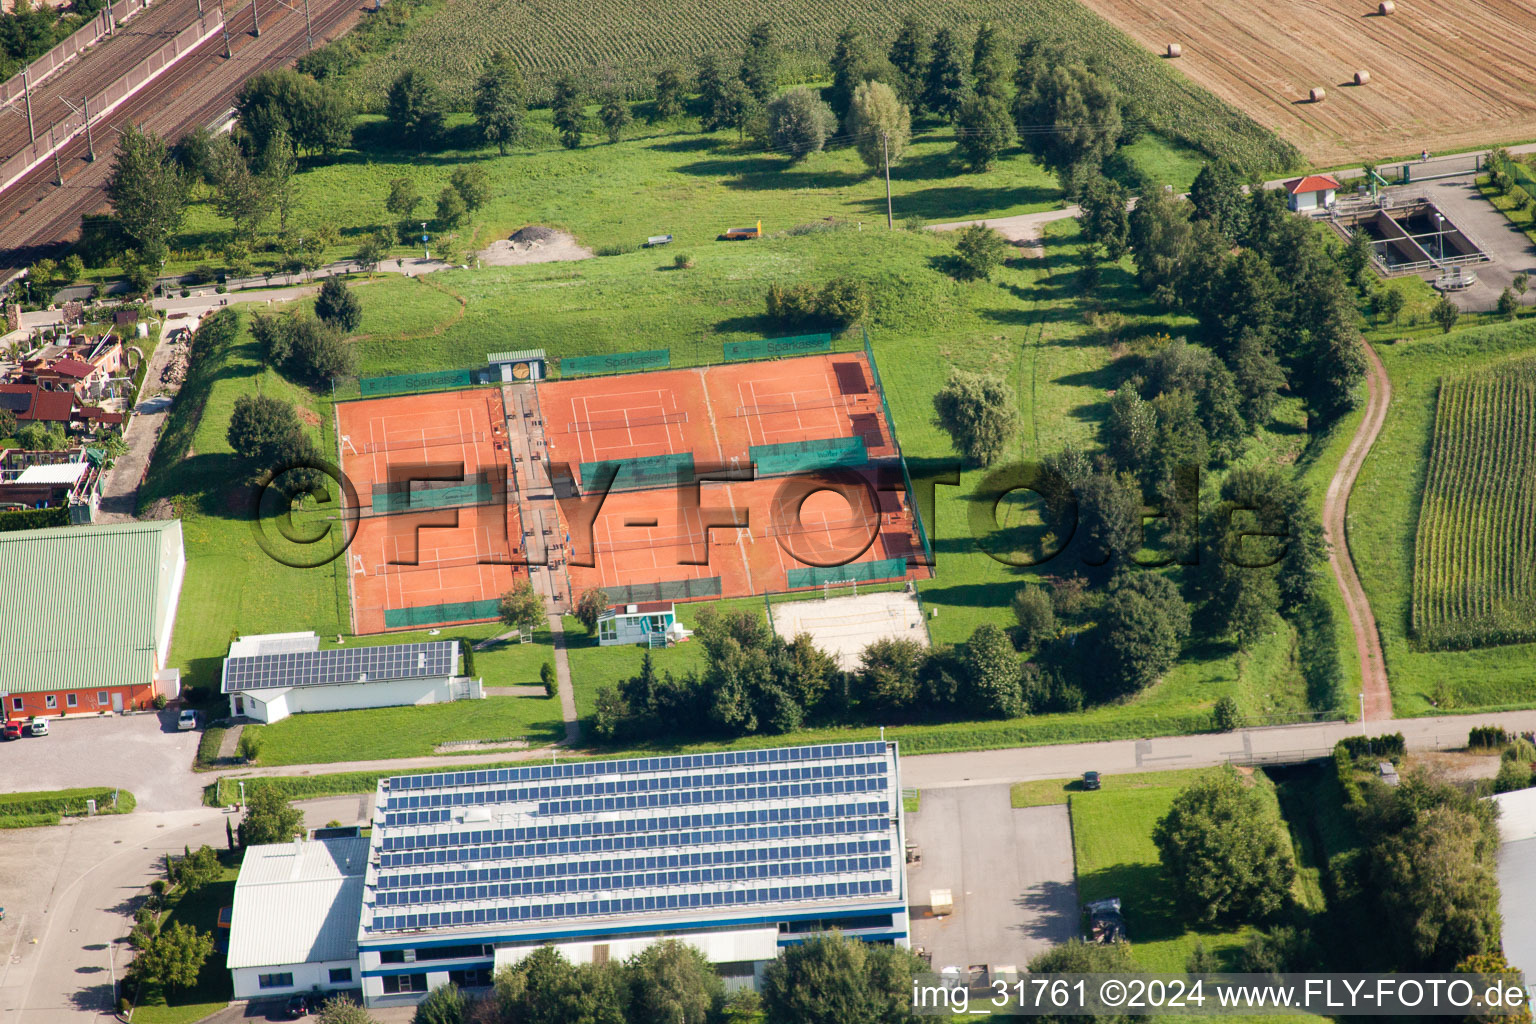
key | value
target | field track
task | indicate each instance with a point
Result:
(1444, 73)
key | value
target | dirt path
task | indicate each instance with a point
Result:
(1373, 669)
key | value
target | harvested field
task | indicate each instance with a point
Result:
(1443, 75)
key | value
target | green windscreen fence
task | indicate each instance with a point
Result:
(774, 348)
(410, 383)
(807, 456)
(906, 475)
(854, 572)
(424, 495)
(616, 362)
(666, 590)
(435, 614)
(640, 474)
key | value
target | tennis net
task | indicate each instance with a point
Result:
(392, 568)
(655, 420)
(423, 440)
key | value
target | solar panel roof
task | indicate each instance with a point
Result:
(692, 835)
(341, 665)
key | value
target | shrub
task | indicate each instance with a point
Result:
(249, 747)
(1512, 775)
(1225, 715)
(160, 702)
(978, 251)
(682, 261)
(1486, 737)
(550, 680)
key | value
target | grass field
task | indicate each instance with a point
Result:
(25, 810)
(606, 44)
(1112, 844)
(232, 585)
(1475, 554)
(214, 989)
(1383, 519)
(1047, 792)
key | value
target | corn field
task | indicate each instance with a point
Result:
(614, 43)
(1474, 574)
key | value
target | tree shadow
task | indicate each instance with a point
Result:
(961, 202)
(688, 144)
(1145, 899)
(770, 173)
(1052, 909)
(93, 998)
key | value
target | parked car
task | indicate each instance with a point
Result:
(1091, 780)
(187, 719)
(37, 727)
(10, 731)
(298, 1007)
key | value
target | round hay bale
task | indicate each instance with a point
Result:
(1362, 78)
(1317, 95)
(1385, 8)
(1175, 50)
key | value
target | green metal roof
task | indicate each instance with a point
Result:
(520, 356)
(87, 606)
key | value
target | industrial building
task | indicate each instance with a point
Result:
(293, 927)
(88, 613)
(274, 675)
(738, 853)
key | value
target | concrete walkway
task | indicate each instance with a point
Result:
(563, 676)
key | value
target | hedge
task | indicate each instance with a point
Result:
(24, 810)
(34, 518)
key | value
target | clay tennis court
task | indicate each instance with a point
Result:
(716, 413)
(1445, 75)
(638, 538)
(406, 452)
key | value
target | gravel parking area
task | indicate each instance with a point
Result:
(142, 753)
(1010, 872)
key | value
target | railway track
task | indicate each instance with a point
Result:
(92, 72)
(37, 216)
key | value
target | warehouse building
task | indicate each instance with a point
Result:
(88, 614)
(274, 675)
(739, 853)
(293, 926)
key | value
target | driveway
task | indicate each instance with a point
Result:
(1010, 872)
(1506, 245)
(73, 889)
(142, 753)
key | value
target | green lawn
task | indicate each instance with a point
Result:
(1045, 792)
(1112, 844)
(232, 585)
(214, 989)
(1383, 521)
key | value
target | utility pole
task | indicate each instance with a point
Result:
(224, 27)
(255, 21)
(90, 144)
(199, 8)
(425, 251)
(26, 90)
(309, 39)
(58, 172)
(885, 146)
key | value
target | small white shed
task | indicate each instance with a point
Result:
(1313, 192)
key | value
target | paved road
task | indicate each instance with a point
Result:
(73, 889)
(1362, 621)
(120, 497)
(1019, 764)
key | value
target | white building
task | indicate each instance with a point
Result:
(1517, 878)
(275, 675)
(1313, 192)
(650, 624)
(739, 853)
(293, 927)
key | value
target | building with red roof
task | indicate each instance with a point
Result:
(1313, 192)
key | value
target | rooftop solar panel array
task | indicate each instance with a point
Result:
(341, 665)
(678, 835)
